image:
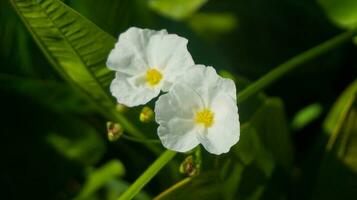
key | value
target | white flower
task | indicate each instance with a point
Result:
(146, 62)
(199, 109)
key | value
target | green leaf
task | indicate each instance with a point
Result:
(100, 177)
(339, 108)
(54, 95)
(271, 125)
(211, 25)
(176, 9)
(77, 49)
(343, 141)
(306, 115)
(77, 141)
(338, 172)
(342, 12)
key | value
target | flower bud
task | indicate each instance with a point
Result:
(114, 131)
(146, 115)
(188, 166)
(121, 108)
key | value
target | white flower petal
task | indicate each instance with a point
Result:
(178, 135)
(130, 53)
(132, 90)
(169, 53)
(225, 131)
(175, 112)
(207, 83)
(180, 102)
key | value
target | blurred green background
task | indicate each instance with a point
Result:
(299, 139)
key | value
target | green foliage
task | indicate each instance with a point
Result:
(215, 24)
(341, 12)
(62, 98)
(306, 115)
(100, 177)
(339, 108)
(340, 163)
(81, 143)
(176, 9)
(274, 131)
(74, 46)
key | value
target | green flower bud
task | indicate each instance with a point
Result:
(121, 108)
(146, 115)
(114, 131)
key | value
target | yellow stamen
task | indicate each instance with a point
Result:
(153, 77)
(205, 117)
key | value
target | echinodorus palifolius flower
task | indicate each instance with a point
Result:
(146, 62)
(201, 108)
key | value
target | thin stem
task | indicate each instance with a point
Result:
(251, 90)
(173, 188)
(134, 139)
(293, 63)
(149, 173)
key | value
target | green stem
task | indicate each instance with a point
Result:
(251, 90)
(147, 175)
(173, 188)
(294, 62)
(134, 139)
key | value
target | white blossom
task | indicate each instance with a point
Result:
(146, 62)
(199, 109)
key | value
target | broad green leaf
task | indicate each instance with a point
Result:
(77, 49)
(342, 12)
(100, 177)
(251, 149)
(338, 109)
(338, 174)
(77, 141)
(176, 9)
(271, 125)
(306, 116)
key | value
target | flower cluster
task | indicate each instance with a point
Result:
(199, 106)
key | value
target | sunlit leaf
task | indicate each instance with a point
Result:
(76, 47)
(341, 12)
(176, 9)
(338, 109)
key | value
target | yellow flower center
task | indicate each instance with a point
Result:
(153, 77)
(205, 117)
